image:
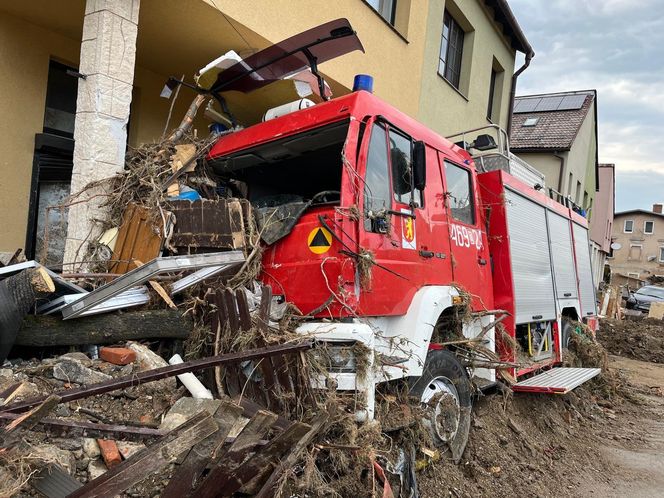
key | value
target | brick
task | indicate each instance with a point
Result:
(117, 356)
(109, 452)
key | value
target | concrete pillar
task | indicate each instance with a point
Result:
(108, 53)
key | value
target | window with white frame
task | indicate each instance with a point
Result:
(629, 226)
(631, 274)
(648, 227)
(661, 254)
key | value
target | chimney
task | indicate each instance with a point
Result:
(657, 208)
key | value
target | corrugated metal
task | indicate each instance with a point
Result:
(584, 268)
(562, 253)
(531, 263)
(560, 380)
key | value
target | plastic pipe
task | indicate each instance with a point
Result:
(190, 381)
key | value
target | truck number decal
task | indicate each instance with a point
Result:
(466, 237)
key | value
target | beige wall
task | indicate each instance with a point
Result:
(622, 262)
(441, 106)
(601, 221)
(25, 50)
(395, 62)
(547, 164)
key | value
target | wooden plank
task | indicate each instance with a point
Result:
(29, 419)
(150, 459)
(159, 289)
(231, 310)
(251, 408)
(140, 237)
(184, 479)
(257, 468)
(264, 309)
(267, 491)
(243, 310)
(246, 441)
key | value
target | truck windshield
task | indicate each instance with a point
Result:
(302, 168)
(285, 177)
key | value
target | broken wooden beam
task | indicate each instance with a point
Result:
(90, 429)
(150, 459)
(108, 328)
(163, 373)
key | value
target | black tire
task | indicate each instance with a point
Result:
(566, 332)
(442, 367)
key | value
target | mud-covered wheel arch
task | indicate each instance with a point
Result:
(567, 326)
(445, 391)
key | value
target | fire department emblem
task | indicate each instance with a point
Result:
(407, 231)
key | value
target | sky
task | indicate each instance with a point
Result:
(617, 48)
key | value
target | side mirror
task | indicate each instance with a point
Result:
(484, 142)
(419, 165)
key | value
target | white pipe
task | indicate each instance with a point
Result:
(195, 387)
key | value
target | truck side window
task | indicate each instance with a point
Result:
(460, 193)
(377, 181)
(401, 159)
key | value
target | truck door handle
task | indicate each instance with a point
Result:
(481, 261)
(567, 294)
(426, 254)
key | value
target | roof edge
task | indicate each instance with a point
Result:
(504, 15)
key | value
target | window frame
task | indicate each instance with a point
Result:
(645, 223)
(661, 252)
(382, 11)
(629, 254)
(453, 35)
(631, 230)
(471, 192)
(420, 204)
(492, 93)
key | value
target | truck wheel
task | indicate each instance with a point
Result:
(444, 390)
(567, 331)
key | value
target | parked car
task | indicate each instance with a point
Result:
(641, 299)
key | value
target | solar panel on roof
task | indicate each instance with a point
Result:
(571, 102)
(548, 104)
(526, 105)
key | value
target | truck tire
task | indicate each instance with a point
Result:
(445, 392)
(566, 332)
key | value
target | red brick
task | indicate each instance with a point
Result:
(117, 356)
(109, 452)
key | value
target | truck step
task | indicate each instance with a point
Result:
(556, 380)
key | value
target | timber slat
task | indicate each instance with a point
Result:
(185, 478)
(151, 459)
(259, 467)
(246, 441)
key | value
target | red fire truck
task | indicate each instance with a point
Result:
(385, 234)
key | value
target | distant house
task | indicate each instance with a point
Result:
(601, 220)
(638, 243)
(556, 133)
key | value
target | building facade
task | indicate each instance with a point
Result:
(601, 220)
(638, 244)
(81, 81)
(557, 134)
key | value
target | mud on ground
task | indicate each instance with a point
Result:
(638, 339)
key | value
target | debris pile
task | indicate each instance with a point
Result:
(637, 339)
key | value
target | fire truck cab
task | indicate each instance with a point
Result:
(384, 235)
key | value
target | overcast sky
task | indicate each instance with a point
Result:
(616, 47)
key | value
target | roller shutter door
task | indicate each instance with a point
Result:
(562, 253)
(531, 262)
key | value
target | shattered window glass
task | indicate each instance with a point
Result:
(459, 193)
(377, 180)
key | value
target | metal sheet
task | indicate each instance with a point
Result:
(557, 380)
(135, 296)
(562, 254)
(144, 273)
(62, 286)
(531, 262)
(584, 268)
